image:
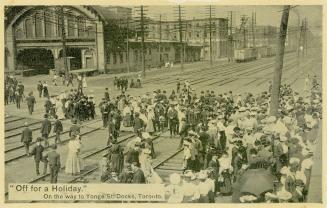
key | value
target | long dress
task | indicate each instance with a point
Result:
(84, 84)
(149, 125)
(59, 110)
(73, 165)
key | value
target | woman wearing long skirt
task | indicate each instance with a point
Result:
(73, 164)
(127, 116)
(59, 109)
(149, 125)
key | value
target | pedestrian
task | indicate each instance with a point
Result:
(172, 120)
(18, 98)
(53, 159)
(27, 138)
(45, 90)
(73, 165)
(70, 79)
(45, 130)
(57, 129)
(38, 156)
(84, 83)
(75, 129)
(106, 95)
(40, 88)
(138, 175)
(30, 100)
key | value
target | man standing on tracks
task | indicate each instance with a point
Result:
(27, 138)
(45, 130)
(53, 159)
(38, 156)
(40, 88)
(172, 120)
(30, 100)
(57, 129)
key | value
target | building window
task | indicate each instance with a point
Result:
(71, 26)
(167, 49)
(189, 34)
(114, 61)
(108, 57)
(197, 35)
(197, 24)
(136, 56)
(48, 26)
(29, 28)
(39, 25)
(121, 58)
(149, 51)
(81, 27)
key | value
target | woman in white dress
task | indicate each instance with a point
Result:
(149, 125)
(84, 84)
(73, 164)
(59, 109)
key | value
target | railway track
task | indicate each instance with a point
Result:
(17, 152)
(14, 118)
(89, 169)
(32, 126)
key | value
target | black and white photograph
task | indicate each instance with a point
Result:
(171, 103)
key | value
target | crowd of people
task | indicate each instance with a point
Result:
(14, 91)
(227, 140)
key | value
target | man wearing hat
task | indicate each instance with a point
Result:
(75, 129)
(30, 101)
(26, 138)
(38, 155)
(172, 120)
(53, 159)
(45, 130)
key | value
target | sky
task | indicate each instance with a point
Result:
(266, 15)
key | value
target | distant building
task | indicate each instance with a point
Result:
(33, 37)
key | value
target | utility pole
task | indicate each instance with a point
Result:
(253, 24)
(142, 41)
(274, 103)
(302, 38)
(306, 35)
(185, 38)
(210, 32)
(231, 51)
(127, 45)
(160, 37)
(181, 37)
(243, 23)
(63, 40)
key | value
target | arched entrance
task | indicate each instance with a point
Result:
(76, 57)
(39, 59)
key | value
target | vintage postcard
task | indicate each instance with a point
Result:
(162, 103)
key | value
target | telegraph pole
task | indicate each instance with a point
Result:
(231, 52)
(274, 103)
(160, 36)
(306, 35)
(253, 28)
(142, 41)
(181, 37)
(63, 40)
(185, 38)
(127, 45)
(210, 32)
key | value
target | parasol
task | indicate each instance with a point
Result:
(256, 181)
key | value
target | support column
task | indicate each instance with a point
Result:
(10, 44)
(83, 58)
(99, 58)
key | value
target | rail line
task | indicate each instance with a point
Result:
(21, 154)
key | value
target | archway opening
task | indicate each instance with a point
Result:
(76, 57)
(39, 59)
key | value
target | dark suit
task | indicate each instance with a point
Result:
(53, 159)
(57, 129)
(27, 138)
(138, 176)
(38, 156)
(45, 131)
(30, 100)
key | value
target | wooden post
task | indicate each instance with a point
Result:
(274, 103)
